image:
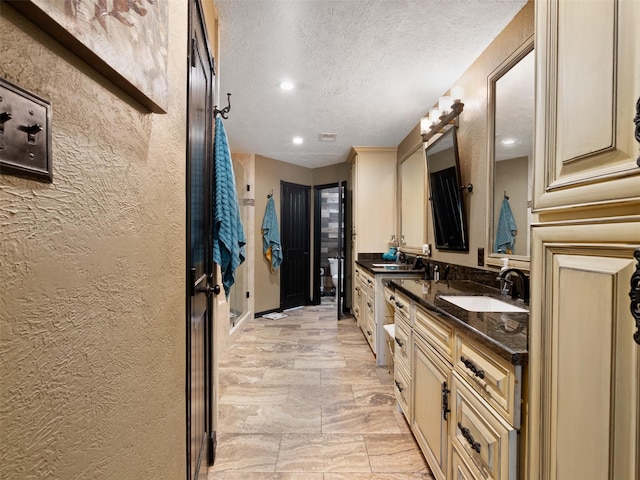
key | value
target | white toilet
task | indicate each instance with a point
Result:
(333, 266)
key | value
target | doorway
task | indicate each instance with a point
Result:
(200, 446)
(296, 245)
(330, 259)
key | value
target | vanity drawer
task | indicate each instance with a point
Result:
(402, 345)
(461, 470)
(402, 309)
(437, 333)
(402, 387)
(389, 296)
(367, 282)
(369, 325)
(492, 377)
(483, 438)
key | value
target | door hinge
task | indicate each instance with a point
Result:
(193, 52)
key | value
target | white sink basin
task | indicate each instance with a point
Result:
(385, 265)
(477, 303)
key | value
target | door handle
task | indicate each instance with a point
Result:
(209, 289)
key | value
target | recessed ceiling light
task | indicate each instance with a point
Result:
(297, 140)
(286, 86)
(508, 141)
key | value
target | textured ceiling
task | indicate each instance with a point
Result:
(366, 70)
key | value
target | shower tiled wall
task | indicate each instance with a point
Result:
(328, 232)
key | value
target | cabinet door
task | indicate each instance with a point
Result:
(430, 400)
(374, 198)
(584, 363)
(587, 56)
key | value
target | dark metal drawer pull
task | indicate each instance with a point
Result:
(400, 344)
(634, 294)
(471, 366)
(445, 400)
(399, 305)
(392, 298)
(400, 387)
(467, 435)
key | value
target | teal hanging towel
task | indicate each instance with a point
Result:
(506, 231)
(271, 236)
(228, 234)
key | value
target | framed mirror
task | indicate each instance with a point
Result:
(511, 126)
(413, 211)
(447, 207)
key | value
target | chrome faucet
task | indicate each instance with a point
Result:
(524, 281)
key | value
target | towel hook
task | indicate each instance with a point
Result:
(505, 195)
(270, 194)
(224, 113)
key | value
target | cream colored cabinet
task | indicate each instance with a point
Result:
(584, 365)
(403, 319)
(431, 377)
(464, 406)
(482, 436)
(587, 56)
(357, 295)
(584, 362)
(369, 325)
(366, 321)
(460, 469)
(373, 183)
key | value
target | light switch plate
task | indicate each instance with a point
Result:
(25, 134)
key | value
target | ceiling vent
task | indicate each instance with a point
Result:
(328, 137)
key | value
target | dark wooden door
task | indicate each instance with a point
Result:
(199, 262)
(296, 246)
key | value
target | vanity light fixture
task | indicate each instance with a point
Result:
(286, 85)
(297, 140)
(438, 119)
(441, 122)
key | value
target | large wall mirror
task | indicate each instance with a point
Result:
(511, 118)
(413, 218)
(447, 207)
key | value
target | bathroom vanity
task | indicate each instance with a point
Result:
(369, 306)
(458, 375)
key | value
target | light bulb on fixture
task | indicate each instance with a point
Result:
(297, 140)
(457, 93)
(444, 105)
(434, 115)
(425, 125)
(286, 85)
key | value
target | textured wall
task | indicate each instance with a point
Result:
(472, 135)
(92, 308)
(269, 174)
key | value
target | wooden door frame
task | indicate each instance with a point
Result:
(195, 10)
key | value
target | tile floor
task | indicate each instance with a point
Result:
(301, 398)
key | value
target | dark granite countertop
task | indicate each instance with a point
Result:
(391, 267)
(503, 333)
